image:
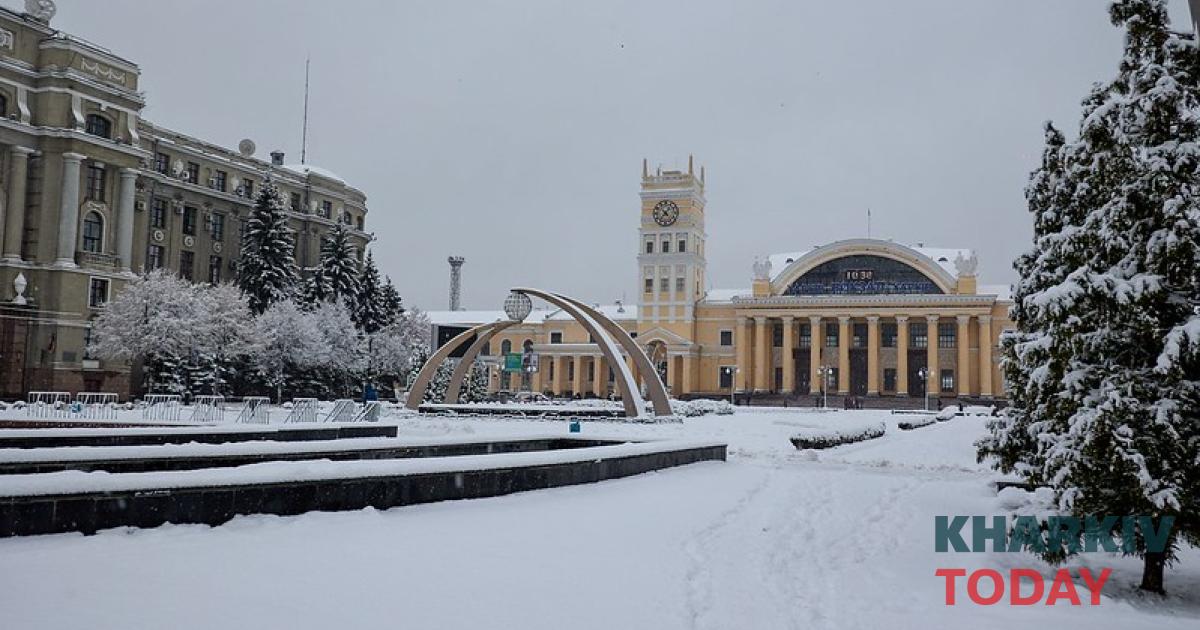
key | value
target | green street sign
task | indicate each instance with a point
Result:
(512, 362)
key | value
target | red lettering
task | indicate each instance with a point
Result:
(997, 588)
(1039, 587)
(1095, 585)
(1063, 588)
(950, 574)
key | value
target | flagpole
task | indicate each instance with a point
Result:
(304, 133)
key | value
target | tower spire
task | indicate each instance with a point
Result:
(690, 170)
(645, 169)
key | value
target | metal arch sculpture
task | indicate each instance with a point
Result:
(631, 398)
(417, 395)
(464, 364)
(605, 331)
(654, 384)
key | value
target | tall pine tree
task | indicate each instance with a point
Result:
(369, 314)
(337, 277)
(1104, 367)
(267, 270)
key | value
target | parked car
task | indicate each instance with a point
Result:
(531, 398)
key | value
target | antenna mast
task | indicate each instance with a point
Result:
(304, 133)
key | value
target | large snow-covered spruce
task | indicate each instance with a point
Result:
(267, 270)
(1103, 371)
(337, 277)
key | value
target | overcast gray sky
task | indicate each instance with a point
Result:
(512, 133)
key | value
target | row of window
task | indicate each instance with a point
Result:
(220, 182)
(946, 376)
(665, 279)
(917, 335)
(156, 259)
(664, 243)
(160, 209)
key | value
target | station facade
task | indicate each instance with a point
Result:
(858, 317)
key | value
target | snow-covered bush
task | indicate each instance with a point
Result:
(701, 407)
(946, 414)
(831, 437)
(916, 422)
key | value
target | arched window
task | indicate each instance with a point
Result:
(505, 347)
(93, 232)
(3, 106)
(98, 125)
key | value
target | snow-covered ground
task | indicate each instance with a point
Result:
(774, 538)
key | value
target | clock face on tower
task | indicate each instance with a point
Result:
(666, 212)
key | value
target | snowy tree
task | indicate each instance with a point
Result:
(475, 387)
(287, 338)
(151, 320)
(393, 305)
(267, 269)
(1105, 364)
(369, 313)
(222, 335)
(337, 275)
(389, 354)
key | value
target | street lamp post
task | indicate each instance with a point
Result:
(732, 372)
(924, 374)
(825, 372)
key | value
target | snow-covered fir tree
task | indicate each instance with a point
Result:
(369, 313)
(337, 277)
(1105, 364)
(267, 269)
(475, 387)
(393, 304)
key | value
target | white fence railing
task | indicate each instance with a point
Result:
(303, 410)
(255, 410)
(162, 407)
(208, 409)
(343, 410)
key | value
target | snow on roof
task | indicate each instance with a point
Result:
(1001, 291)
(305, 169)
(615, 312)
(943, 256)
(462, 318)
(725, 295)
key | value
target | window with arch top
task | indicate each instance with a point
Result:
(93, 232)
(98, 125)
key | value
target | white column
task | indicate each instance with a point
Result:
(13, 223)
(125, 198)
(68, 209)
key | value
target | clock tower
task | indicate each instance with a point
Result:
(671, 249)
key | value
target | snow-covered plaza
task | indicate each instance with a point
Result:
(772, 538)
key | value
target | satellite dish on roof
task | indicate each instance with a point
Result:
(246, 147)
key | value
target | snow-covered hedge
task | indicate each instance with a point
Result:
(916, 422)
(831, 437)
(946, 414)
(701, 407)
